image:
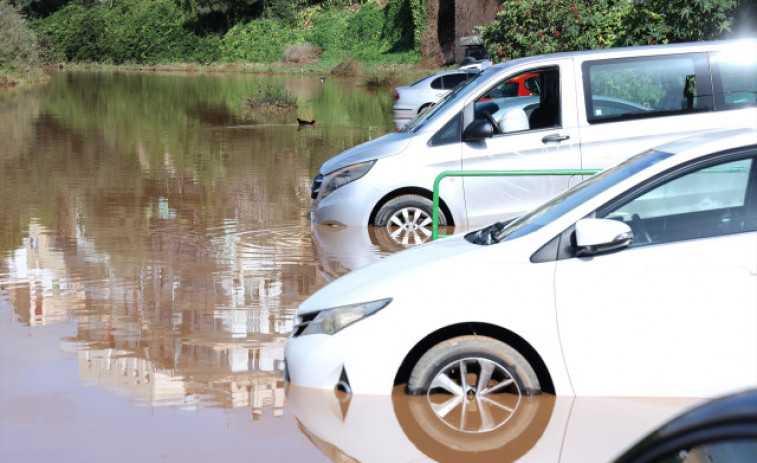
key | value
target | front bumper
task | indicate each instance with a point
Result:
(356, 356)
(349, 206)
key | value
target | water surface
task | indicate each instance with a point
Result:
(154, 246)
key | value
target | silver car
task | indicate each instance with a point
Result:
(583, 110)
(416, 97)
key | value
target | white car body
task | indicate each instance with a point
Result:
(666, 319)
(414, 98)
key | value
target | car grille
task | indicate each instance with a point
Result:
(304, 321)
(316, 186)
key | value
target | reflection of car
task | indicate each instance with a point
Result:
(409, 429)
(627, 285)
(721, 431)
(414, 98)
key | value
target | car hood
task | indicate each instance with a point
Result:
(387, 145)
(427, 264)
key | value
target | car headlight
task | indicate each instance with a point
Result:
(329, 321)
(343, 176)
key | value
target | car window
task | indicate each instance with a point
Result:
(527, 101)
(453, 80)
(648, 86)
(579, 194)
(438, 83)
(706, 201)
(734, 79)
(458, 93)
(725, 451)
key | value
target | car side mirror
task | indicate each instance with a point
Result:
(596, 236)
(479, 129)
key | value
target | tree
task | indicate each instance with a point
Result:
(524, 28)
(18, 43)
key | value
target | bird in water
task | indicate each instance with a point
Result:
(300, 122)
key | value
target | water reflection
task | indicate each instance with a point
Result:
(339, 250)
(401, 428)
(169, 226)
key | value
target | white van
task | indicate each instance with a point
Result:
(584, 110)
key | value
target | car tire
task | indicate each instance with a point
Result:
(502, 368)
(499, 426)
(408, 219)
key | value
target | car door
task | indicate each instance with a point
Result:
(538, 143)
(675, 313)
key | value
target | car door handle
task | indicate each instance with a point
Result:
(555, 138)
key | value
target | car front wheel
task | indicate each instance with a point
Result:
(408, 219)
(473, 383)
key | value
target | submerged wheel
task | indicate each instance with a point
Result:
(474, 399)
(408, 219)
(473, 383)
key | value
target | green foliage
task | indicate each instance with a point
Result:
(664, 21)
(530, 28)
(259, 41)
(18, 43)
(39, 8)
(420, 13)
(371, 34)
(78, 32)
(525, 28)
(228, 12)
(125, 31)
(282, 10)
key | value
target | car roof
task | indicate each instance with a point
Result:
(641, 50)
(712, 141)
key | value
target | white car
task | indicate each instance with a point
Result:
(413, 99)
(639, 282)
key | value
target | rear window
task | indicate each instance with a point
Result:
(630, 88)
(453, 80)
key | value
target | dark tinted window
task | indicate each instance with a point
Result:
(726, 451)
(450, 133)
(453, 80)
(646, 86)
(437, 84)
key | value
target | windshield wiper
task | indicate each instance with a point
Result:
(488, 235)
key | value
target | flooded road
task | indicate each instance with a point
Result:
(154, 246)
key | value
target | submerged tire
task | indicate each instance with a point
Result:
(408, 219)
(474, 398)
(453, 365)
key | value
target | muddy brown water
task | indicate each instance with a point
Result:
(154, 246)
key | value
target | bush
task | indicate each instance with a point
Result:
(18, 43)
(304, 53)
(371, 34)
(668, 21)
(124, 31)
(530, 28)
(271, 98)
(525, 28)
(258, 41)
(347, 68)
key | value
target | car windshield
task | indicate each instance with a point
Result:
(458, 92)
(572, 198)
